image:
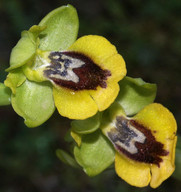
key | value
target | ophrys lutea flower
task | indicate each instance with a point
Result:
(142, 146)
(84, 77)
(49, 68)
(145, 145)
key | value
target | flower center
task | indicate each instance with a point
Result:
(75, 71)
(136, 141)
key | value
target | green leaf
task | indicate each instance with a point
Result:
(135, 94)
(95, 153)
(14, 79)
(23, 51)
(86, 126)
(61, 29)
(5, 95)
(66, 158)
(34, 102)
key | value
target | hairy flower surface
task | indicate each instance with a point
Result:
(145, 145)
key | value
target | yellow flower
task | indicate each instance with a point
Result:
(145, 145)
(84, 77)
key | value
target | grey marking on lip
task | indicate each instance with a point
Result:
(62, 67)
(125, 135)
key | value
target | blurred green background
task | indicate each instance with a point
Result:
(146, 33)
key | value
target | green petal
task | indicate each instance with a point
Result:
(34, 102)
(135, 94)
(95, 153)
(5, 95)
(86, 126)
(61, 29)
(66, 158)
(23, 51)
(14, 79)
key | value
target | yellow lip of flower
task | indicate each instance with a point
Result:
(85, 77)
(145, 145)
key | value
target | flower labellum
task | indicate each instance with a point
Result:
(75, 71)
(136, 142)
(145, 145)
(84, 77)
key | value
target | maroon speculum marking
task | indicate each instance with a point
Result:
(90, 75)
(150, 151)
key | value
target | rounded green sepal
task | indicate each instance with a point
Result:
(135, 94)
(88, 125)
(23, 51)
(34, 102)
(5, 95)
(95, 153)
(61, 29)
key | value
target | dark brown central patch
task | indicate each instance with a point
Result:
(149, 151)
(88, 74)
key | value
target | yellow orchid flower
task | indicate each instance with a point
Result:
(145, 145)
(84, 77)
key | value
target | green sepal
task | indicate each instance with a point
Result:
(34, 102)
(36, 30)
(14, 79)
(115, 110)
(66, 158)
(5, 95)
(23, 51)
(135, 94)
(61, 29)
(88, 125)
(95, 153)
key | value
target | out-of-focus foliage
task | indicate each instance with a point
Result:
(146, 33)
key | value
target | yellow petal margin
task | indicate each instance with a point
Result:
(163, 126)
(167, 167)
(95, 47)
(117, 66)
(105, 97)
(134, 173)
(74, 105)
(159, 174)
(159, 120)
(102, 53)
